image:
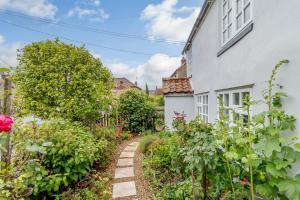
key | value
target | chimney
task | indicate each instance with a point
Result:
(183, 61)
(135, 83)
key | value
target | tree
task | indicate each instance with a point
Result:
(147, 90)
(137, 113)
(55, 79)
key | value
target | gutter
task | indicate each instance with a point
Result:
(200, 18)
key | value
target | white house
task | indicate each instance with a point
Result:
(232, 50)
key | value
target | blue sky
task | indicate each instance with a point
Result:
(157, 28)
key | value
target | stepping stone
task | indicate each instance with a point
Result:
(124, 189)
(131, 148)
(134, 144)
(125, 162)
(124, 172)
(126, 154)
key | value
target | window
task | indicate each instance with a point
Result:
(233, 101)
(236, 14)
(202, 106)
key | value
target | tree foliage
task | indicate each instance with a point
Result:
(138, 114)
(57, 79)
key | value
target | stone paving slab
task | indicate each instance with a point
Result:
(131, 148)
(134, 144)
(125, 172)
(124, 189)
(126, 154)
(125, 162)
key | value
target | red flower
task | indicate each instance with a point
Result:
(245, 181)
(5, 123)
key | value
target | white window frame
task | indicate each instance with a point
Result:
(202, 106)
(231, 105)
(234, 15)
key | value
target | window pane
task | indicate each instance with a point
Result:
(239, 22)
(236, 99)
(221, 97)
(229, 31)
(200, 99)
(245, 2)
(200, 109)
(226, 99)
(229, 4)
(229, 17)
(245, 119)
(206, 110)
(244, 95)
(224, 8)
(247, 14)
(225, 22)
(226, 111)
(236, 116)
(225, 36)
(238, 6)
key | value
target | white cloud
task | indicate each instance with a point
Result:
(37, 8)
(151, 72)
(168, 22)
(8, 53)
(94, 14)
(2, 39)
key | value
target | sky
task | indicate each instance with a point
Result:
(141, 40)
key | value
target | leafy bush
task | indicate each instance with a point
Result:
(61, 153)
(137, 113)
(55, 79)
(146, 141)
(98, 188)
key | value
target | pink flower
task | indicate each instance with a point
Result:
(245, 181)
(5, 123)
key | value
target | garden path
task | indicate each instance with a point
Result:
(124, 185)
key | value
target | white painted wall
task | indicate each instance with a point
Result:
(276, 35)
(180, 104)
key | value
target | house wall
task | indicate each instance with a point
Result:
(275, 35)
(179, 104)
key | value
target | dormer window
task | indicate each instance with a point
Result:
(236, 14)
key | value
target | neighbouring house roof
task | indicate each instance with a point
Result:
(123, 83)
(176, 85)
(181, 72)
(205, 8)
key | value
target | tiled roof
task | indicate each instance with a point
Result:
(177, 85)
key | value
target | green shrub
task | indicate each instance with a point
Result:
(136, 112)
(61, 153)
(98, 188)
(146, 141)
(106, 134)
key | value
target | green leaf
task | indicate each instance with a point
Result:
(272, 144)
(271, 168)
(297, 146)
(291, 187)
(265, 190)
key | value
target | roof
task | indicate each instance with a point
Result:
(123, 83)
(177, 85)
(181, 72)
(200, 18)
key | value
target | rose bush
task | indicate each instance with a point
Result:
(5, 123)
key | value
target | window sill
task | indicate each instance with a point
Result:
(236, 38)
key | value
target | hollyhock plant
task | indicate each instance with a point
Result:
(245, 181)
(5, 123)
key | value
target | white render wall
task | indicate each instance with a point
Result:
(276, 35)
(179, 104)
